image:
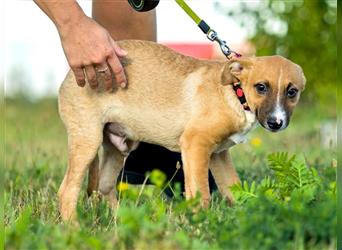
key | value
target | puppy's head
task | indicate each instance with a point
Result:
(272, 86)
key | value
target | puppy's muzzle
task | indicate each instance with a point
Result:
(274, 124)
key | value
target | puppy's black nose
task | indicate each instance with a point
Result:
(274, 123)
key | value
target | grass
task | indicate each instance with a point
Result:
(35, 162)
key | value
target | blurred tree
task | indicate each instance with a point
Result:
(303, 31)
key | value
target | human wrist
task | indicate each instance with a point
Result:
(67, 14)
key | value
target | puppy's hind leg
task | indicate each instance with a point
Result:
(111, 163)
(83, 144)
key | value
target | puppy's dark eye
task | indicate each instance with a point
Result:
(261, 88)
(292, 93)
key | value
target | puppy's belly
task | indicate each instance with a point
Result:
(165, 139)
(126, 145)
(162, 128)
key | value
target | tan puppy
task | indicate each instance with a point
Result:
(178, 102)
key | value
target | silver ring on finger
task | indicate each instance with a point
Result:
(102, 70)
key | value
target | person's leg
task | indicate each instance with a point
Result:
(148, 157)
(122, 22)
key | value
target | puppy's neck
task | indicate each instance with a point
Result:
(231, 99)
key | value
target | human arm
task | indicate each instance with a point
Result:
(88, 47)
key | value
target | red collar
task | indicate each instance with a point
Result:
(240, 95)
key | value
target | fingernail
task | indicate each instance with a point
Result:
(123, 84)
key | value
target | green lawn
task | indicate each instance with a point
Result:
(292, 209)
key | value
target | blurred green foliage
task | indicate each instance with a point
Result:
(303, 31)
(339, 131)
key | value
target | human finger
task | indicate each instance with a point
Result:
(104, 72)
(118, 70)
(79, 75)
(118, 50)
(91, 76)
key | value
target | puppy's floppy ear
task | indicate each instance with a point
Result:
(236, 69)
(302, 77)
(303, 82)
(239, 66)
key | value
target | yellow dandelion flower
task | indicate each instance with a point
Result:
(256, 141)
(122, 186)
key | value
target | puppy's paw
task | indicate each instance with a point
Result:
(230, 199)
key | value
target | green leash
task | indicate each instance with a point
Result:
(211, 34)
(189, 11)
(146, 5)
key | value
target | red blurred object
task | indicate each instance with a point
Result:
(198, 50)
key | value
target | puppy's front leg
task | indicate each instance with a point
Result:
(224, 174)
(196, 153)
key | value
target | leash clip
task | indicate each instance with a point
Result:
(212, 36)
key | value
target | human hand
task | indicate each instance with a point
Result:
(92, 53)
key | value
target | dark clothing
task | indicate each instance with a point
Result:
(148, 157)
